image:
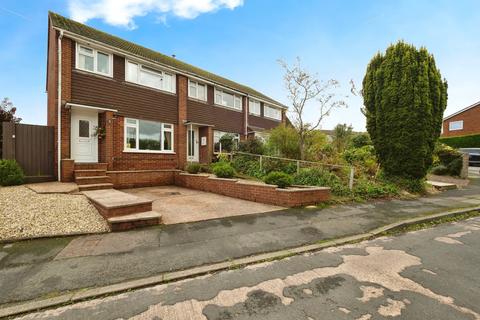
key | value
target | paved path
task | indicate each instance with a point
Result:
(428, 274)
(45, 268)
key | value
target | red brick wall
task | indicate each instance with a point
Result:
(67, 167)
(181, 131)
(253, 191)
(471, 123)
(206, 152)
(141, 178)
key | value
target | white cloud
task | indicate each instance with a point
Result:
(123, 12)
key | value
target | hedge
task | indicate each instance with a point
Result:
(470, 141)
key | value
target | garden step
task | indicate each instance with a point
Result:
(114, 203)
(90, 166)
(89, 172)
(92, 180)
(135, 220)
(442, 185)
(95, 186)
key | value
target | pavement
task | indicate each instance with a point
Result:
(182, 205)
(49, 267)
(426, 274)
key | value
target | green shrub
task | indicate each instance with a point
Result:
(227, 142)
(470, 141)
(205, 168)
(360, 140)
(272, 164)
(193, 168)
(10, 173)
(440, 170)
(367, 189)
(455, 167)
(247, 165)
(252, 145)
(359, 155)
(223, 170)
(281, 179)
(321, 178)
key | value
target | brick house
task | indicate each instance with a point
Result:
(138, 112)
(462, 123)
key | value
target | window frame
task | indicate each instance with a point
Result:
(196, 83)
(450, 127)
(259, 107)
(95, 60)
(137, 149)
(152, 70)
(221, 91)
(236, 137)
(265, 107)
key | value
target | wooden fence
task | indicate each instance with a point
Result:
(32, 146)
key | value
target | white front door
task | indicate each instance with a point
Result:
(192, 144)
(84, 142)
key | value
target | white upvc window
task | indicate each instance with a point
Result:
(140, 74)
(93, 60)
(217, 135)
(197, 90)
(455, 125)
(148, 136)
(228, 99)
(254, 107)
(272, 113)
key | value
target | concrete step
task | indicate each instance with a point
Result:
(114, 203)
(442, 185)
(90, 166)
(89, 173)
(135, 220)
(95, 186)
(92, 180)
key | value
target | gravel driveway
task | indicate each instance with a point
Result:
(26, 214)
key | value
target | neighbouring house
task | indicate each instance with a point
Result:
(137, 112)
(462, 123)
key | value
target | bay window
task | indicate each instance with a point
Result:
(197, 90)
(227, 99)
(148, 136)
(140, 74)
(272, 113)
(254, 107)
(92, 60)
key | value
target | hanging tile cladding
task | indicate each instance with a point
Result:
(207, 113)
(129, 99)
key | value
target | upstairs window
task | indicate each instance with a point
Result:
(92, 60)
(148, 136)
(455, 125)
(272, 113)
(137, 73)
(254, 107)
(197, 90)
(227, 99)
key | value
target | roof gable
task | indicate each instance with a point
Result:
(477, 104)
(80, 29)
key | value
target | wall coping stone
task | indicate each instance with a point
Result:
(149, 170)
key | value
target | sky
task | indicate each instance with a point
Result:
(243, 40)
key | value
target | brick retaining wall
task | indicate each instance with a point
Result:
(141, 178)
(254, 191)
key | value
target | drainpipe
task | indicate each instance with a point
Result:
(59, 105)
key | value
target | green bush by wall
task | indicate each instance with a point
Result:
(10, 173)
(470, 141)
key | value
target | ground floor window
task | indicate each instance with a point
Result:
(145, 135)
(223, 145)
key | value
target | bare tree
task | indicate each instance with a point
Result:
(305, 89)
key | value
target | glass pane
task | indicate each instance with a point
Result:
(132, 72)
(167, 82)
(167, 126)
(167, 141)
(228, 99)
(85, 62)
(84, 128)
(201, 92)
(103, 63)
(218, 97)
(86, 50)
(151, 79)
(131, 140)
(193, 91)
(131, 121)
(149, 135)
(238, 102)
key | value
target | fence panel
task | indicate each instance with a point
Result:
(32, 146)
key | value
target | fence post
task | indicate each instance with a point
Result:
(298, 166)
(261, 162)
(350, 183)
